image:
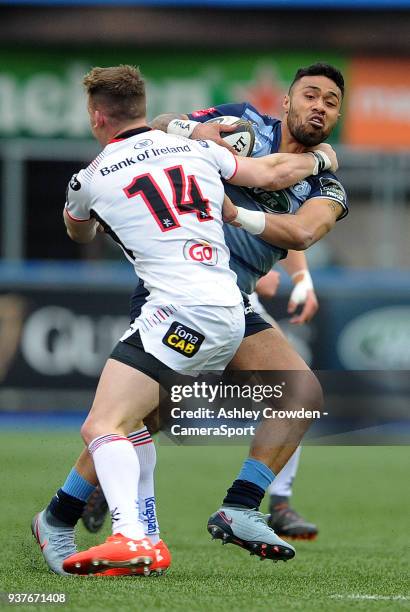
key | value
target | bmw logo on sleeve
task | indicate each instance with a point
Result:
(183, 339)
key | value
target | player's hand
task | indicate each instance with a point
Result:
(267, 286)
(309, 309)
(212, 131)
(229, 212)
(330, 152)
(99, 228)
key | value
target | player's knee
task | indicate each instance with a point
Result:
(303, 390)
(92, 429)
(152, 421)
(312, 396)
(85, 432)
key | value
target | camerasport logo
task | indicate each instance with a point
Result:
(201, 251)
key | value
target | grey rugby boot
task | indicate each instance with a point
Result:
(249, 529)
(95, 511)
(56, 542)
(290, 524)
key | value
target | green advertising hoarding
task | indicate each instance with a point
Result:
(41, 93)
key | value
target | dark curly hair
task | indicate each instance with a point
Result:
(321, 69)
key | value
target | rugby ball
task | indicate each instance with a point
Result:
(242, 139)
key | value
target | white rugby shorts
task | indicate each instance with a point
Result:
(190, 339)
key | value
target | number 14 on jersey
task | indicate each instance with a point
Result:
(187, 197)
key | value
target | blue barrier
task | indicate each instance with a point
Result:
(121, 274)
(40, 421)
(59, 322)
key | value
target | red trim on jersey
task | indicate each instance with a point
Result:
(236, 167)
(75, 218)
(204, 112)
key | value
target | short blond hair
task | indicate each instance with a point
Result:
(120, 90)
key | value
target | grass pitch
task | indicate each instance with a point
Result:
(358, 496)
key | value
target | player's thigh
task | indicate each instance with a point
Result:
(267, 350)
(124, 396)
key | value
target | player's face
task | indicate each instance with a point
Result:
(313, 108)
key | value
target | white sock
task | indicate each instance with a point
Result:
(118, 471)
(145, 449)
(282, 485)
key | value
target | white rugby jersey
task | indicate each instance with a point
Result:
(160, 197)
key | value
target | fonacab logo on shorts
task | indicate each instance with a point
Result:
(183, 339)
(201, 251)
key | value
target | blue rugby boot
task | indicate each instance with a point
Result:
(248, 529)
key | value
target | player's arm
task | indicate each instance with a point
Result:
(281, 170)
(161, 122)
(79, 230)
(312, 221)
(81, 226)
(180, 124)
(273, 172)
(303, 292)
(267, 285)
(298, 232)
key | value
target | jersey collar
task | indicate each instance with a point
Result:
(129, 133)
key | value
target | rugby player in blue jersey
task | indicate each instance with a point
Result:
(267, 225)
(311, 111)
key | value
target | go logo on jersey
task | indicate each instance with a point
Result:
(201, 251)
(183, 339)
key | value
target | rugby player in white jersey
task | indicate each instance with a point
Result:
(311, 110)
(155, 194)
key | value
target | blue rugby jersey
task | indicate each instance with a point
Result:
(252, 257)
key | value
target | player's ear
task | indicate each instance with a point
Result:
(285, 103)
(99, 119)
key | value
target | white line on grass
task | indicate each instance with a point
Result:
(375, 597)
